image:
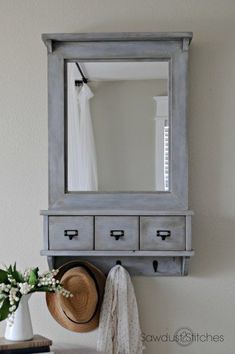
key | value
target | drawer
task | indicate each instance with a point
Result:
(71, 232)
(162, 233)
(117, 233)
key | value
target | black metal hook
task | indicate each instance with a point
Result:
(118, 262)
(155, 266)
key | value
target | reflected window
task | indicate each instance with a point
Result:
(162, 143)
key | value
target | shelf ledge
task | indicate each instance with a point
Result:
(104, 212)
(71, 253)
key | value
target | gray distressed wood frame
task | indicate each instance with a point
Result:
(112, 47)
(172, 47)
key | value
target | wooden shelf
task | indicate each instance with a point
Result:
(117, 253)
(74, 212)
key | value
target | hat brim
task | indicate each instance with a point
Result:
(57, 312)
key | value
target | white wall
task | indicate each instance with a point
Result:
(118, 129)
(204, 301)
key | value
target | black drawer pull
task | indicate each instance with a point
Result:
(163, 234)
(70, 233)
(117, 234)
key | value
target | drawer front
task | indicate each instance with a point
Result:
(116, 233)
(162, 233)
(71, 233)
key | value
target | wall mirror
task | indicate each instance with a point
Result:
(117, 120)
(117, 124)
(118, 173)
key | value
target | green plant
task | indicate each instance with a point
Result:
(14, 284)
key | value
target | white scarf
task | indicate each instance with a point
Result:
(119, 329)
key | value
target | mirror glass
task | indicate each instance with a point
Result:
(117, 126)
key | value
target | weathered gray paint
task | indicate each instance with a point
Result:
(45, 233)
(66, 47)
(167, 266)
(83, 225)
(115, 36)
(172, 47)
(51, 262)
(185, 265)
(105, 224)
(115, 212)
(149, 226)
(117, 253)
(188, 232)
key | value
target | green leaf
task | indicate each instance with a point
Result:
(18, 276)
(2, 297)
(33, 276)
(43, 289)
(4, 309)
(9, 269)
(15, 274)
(3, 276)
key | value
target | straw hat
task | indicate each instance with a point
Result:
(79, 313)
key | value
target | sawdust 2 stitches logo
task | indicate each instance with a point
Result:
(183, 336)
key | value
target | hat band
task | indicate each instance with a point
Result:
(79, 322)
(98, 302)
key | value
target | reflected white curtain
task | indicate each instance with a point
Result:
(87, 177)
(82, 166)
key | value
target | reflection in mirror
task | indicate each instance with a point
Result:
(118, 126)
